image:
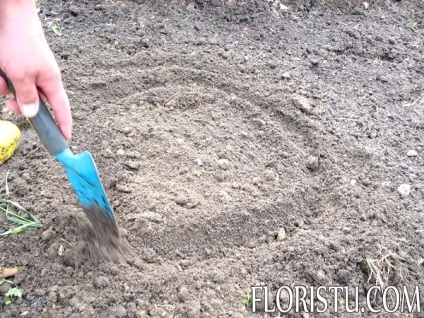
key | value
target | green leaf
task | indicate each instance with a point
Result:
(14, 292)
(56, 30)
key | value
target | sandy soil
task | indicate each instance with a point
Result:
(241, 143)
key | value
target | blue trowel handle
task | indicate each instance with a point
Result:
(45, 126)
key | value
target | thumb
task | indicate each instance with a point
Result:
(27, 97)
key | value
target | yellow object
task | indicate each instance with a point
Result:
(10, 136)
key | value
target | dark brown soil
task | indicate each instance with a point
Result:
(217, 126)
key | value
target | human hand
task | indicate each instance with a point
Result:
(30, 64)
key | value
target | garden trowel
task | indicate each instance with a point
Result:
(80, 168)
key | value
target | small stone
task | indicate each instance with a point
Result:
(412, 153)
(47, 234)
(184, 294)
(281, 234)
(302, 103)
(198, 161)
(312, 163)
(392, 41)
(256, 180)
(181, 200)
(404, 165)
(65, 55)
(120, 152)
(219, 177)
(314, 62)
(61, 250)
(224, 164)
(123, 188)
(235, 185)
(404, 190)
(259, 122)
(133, 154)
(244, 134)
(366, 5)
(285, 76)
(346, 230)
(134, 165)
(75, 10)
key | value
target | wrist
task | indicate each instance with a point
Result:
(17, 13)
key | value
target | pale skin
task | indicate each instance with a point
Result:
(30, 65)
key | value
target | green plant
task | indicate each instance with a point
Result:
(414, 24)
(17, 214)
(56, 30)
(13, 292)
(247, 299)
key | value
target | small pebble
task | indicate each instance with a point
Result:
(198, 161)
(259, 122)
(281, 234)
(412, 153)
(75, 10)
(224, 164)
(184, 294)
(286, 76)
(133, 154)
(256, 180)
(181, 200)
(244, 134)
(134, 165)
(312, 163)
(346, 230)
(404, 190)
(302, 103)
(314, 62)
(120, 152)
(47, 234)
(123, 188)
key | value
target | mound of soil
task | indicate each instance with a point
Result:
(241, 143)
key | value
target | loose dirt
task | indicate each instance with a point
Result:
(241, 143)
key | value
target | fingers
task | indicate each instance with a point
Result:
(54, 92)
(4, 90)
(26, 95)
(49, 86)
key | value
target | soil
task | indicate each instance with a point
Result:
(241, 143)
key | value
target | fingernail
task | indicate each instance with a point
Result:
(29, 110)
